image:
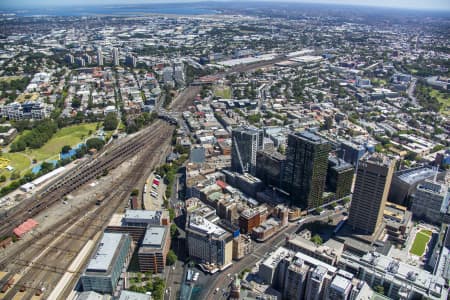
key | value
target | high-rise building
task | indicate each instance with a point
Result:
(115, 56)
(87, 58)
(178, 74)
(246, 141)
(351, 152)
(81, 62)
(168, 75)
(430, 201)
(269, 167)
(103, 271)
(131, 61)
(317, 283)
(69, 59)
(339, 177)
(208, 242)
(306, 169)
(295, 280)
(99, 57)
(339, 288)
(373, 179)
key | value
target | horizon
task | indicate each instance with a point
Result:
(432, 5)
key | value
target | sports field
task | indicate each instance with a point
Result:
(420, 242)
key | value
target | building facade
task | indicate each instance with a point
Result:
(269, 167)
(339, 177)
(208, 242)
(430, 201)
(246, 141)
(153, 251)
(373, 180)
(306, 169)
(104, 269)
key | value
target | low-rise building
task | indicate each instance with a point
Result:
(153, 251)
(104, 269)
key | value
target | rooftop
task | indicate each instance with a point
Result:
(154, 236)
(204, 226)
(416, 175)
(132, 214)
(306, 135)
(104, 254)
(340, 284)
(127, 295)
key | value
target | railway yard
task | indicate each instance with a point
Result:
(70, 212)
(67, 208)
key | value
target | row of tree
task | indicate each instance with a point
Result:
(35, 138)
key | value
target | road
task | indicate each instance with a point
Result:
(411, 88)
(221, 280)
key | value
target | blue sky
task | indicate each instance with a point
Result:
(414, 4)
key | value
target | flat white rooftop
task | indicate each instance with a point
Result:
(154, 236)
(203, 225)
(104, 254)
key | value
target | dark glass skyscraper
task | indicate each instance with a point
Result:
(246, 141)
(306, 168)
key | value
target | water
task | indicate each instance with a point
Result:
(122, 10)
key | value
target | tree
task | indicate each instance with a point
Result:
(171, 214)
(171, 257)
(76, 103)
(316, 239)
(65, 149)
(379, 289)
(173, 230)
(95, 143)
(15, 175)
(111, 121)
(135, 192)
(2, 178)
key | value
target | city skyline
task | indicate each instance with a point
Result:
(402, 4)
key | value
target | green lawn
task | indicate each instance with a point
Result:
(10, 78)
(443, 98)
(420, 242)
(378, 81)
(223, 92)
(18, 161)
(71, 136)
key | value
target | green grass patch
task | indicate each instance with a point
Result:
(378, 81)
(420, 242)
(10, 78)
(71, 136)
(443, 98)
(223, 92)
(19, 161)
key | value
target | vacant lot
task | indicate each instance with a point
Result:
(420, 242)
(223, 92)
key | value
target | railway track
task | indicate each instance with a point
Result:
(43, 265)
(43, 257)
(110, 160)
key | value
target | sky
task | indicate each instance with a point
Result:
(411, 4)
